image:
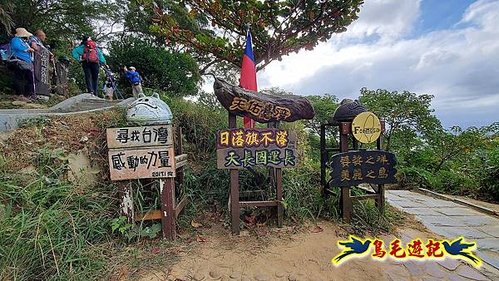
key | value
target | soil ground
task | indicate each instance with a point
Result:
(292, 253)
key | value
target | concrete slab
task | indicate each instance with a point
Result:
(460, 211)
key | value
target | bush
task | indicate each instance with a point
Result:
(172, 72)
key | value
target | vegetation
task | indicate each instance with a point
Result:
(52, 228)
(216, 30)
(173, 72)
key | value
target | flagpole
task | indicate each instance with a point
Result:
(248, 72)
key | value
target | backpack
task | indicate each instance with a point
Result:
(90, 52)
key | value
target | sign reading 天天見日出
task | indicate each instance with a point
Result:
(243, 148)
(262, 107)
(356, 167)
(141, 152)
(366, 127)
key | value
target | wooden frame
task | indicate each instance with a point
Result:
(346, 199)
(234, 202)
(170, 206)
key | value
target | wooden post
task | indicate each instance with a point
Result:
(323, 160)
(126, 204)
(234, 188)
(280, 207)
(167, 189)
(346, 201)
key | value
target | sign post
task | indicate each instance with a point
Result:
(149, 152)
(352, 167)
(239, 149)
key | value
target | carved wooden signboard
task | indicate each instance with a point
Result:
(243, 148)
(141, 152)
(262, 107)
(42, 75)
(355, 167)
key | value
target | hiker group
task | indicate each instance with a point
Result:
(29, 60)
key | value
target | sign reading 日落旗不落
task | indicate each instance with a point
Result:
(243, 148)
(141, 152)
(356, 167)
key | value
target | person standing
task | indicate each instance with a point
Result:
(135, 80)
(90, 57)
(22, 55)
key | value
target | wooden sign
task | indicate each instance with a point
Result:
(356, 167)
(244, 148)
(156, 162)
(158, 135)
(262, 107)
(42, 75)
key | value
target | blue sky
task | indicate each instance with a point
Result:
(446, 48)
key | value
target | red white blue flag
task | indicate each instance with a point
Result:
(248, 75)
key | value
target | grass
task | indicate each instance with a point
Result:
(51, 229)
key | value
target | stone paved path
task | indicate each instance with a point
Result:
(452, 220)
(10, 118)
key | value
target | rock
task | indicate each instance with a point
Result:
(292, 278)
(199, 276)
(215, 274)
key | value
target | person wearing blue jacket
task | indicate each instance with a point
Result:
(23, 70)
(90, 57)
(133, 76)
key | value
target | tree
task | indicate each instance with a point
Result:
(406, 115)
(6, 21)
(176, 73)
(324, 107)
(216, 29)
(65, 20)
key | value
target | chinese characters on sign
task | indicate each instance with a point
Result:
(261, 109)
(242, 148)
(355, 167)
(139, 136)
(141, 152)
(416, 249)
(140, 164)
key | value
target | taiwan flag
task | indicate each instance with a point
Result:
(248, 75)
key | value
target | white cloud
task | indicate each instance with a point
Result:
(459, 66)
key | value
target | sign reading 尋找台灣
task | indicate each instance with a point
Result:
(243, 148)
(139, 136)
(141, 152)
(356, 167)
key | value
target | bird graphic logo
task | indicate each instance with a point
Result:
(458, 248)
(353, 246)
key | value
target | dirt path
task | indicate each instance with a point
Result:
(306, 254)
